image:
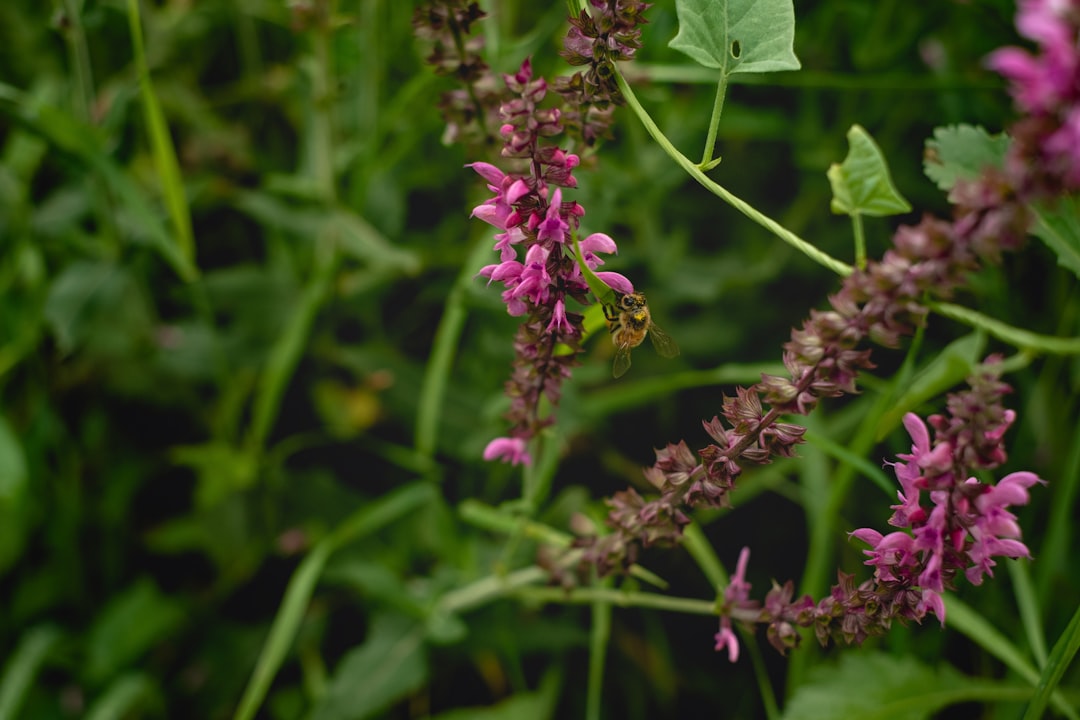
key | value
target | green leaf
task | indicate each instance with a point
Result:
(389, 665)
(97, 304)
(1065, 649)
(738, 36)
(949, 367)
(221, 468)
(538, 705)
(132, 623)
(128, 696)
(139, 219)
(861, 184)
(876, 686)
(13, 473)
(357, 237)
(22, 666)
(368, 519)
(1059, 227)
(962, 152)
(985, 634)
(14, 478)
(161, 143)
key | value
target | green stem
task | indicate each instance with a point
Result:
(80, 61)
(860, 240)
(289, 347)
(980, 631)
(620, 598)
(1065, 650)
(161, 143)
(380, 513)
(707, 161)
(699, 547)
(443, 352)
(742, 206)
(1028, 606)
(322, 125)
(1018, 337)
(599, 636)
(491, 588)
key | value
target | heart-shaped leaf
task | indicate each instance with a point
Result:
(861, 184)
(736, 36)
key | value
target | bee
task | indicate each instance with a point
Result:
(629, 321)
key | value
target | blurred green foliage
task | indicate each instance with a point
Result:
(227, 457)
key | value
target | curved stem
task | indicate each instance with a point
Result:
(742, 206)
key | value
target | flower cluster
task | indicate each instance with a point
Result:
(527, 206)
(611, 33)
(530, 214)
(884, 302)
(469, 111)
(965, 524)
(1045, 157)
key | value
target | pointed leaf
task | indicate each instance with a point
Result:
(876, 686)
(22, 665)
(962, 152)
(522, 706)
(388, 666)
(1059, 227)
(736, 36)
(133, 622)
(861, 184)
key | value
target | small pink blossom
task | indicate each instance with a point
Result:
(507, 449)
(558, 322)
(932, 602)
(736, 594)
(726, 638)
(552, 227)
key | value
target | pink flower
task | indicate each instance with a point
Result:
(933, 602)
(552, 227)
(1041, 82)
(736, 594)
(738, 590)
(558, 323)
(726, 638)
(511, 450)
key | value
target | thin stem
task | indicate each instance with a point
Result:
(742, 206)
(322, 132)
(860, 240)
(443, 352)
(1024, 339)
(80, 61)
(599, 636)
(620, 598)
(707, 161)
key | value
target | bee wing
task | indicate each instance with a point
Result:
(662, 342)
(622, 361)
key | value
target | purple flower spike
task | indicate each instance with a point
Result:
(1045, 156)
(532, 216)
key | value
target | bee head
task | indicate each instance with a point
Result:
(632, 301)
